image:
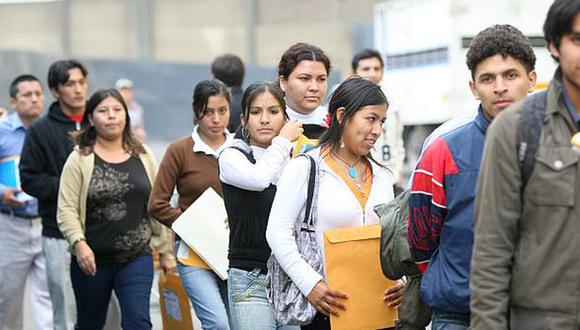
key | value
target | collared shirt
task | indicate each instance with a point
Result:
(199, 144)
(12, 134)
(317, 117)
(571, 108)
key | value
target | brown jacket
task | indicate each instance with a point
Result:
(525, 271)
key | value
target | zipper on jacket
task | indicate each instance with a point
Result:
(364, 217)
(78, 126)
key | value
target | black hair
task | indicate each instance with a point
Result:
(229, 69)
(86, 138)
(58, 73)
(352, 94)
(254, 90)
(201, 93)
(363, 55)
(300, 52)
(559, 21)
(18, 80)
(504, 40)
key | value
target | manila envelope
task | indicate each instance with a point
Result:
(174, 303)
(353, 267)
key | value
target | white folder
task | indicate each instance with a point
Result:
(203, 227)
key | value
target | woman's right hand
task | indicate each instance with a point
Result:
(325, 299)
(85, 258)
(291, 130)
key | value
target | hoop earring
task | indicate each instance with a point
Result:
(245, 134)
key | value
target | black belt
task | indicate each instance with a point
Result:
(18, 215)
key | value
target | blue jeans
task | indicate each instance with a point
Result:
(449, 321)
(249, 306)
(208, 295)
(132, 284)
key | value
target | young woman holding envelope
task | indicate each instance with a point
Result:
(102, 212)
(350, 184)
(190, 165)
(249, 171)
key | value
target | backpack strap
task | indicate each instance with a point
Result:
(309, 217)
(529, 131)
(244, 148)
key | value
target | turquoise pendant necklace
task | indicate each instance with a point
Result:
(352, 172)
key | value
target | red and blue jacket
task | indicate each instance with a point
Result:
(440, 232)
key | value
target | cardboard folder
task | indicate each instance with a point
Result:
(175, 310)
(353, 268)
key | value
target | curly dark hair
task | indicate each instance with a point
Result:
(504, 40)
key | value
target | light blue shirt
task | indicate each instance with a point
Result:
(573, 113)
(12, 134)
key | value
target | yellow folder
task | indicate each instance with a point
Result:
(353, 268)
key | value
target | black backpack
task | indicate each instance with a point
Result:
(529, 132)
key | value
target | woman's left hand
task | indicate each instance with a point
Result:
(394, 294)
(168, 265)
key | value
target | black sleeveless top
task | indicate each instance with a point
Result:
(248, 213)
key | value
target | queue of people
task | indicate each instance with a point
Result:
(493, 211)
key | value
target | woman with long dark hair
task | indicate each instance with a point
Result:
(190, 165)
(102, 212)
(350, 184)
(249, 171)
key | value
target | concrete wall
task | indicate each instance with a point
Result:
(190, 31)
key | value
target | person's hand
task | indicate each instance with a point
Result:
(326, 300)
(85, 258)
(291, 130)
(394, 294)
(3, 113)
(168, 265)
(9, 197)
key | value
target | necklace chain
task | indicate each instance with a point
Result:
(352, 172)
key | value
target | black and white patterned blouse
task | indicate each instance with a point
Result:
(117, 227)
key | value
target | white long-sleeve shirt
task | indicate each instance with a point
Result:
(238, 171)
(337, 208)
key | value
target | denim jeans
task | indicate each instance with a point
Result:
(58, 260)
(132, 285)
(208, 295)
(249, 306)
(449, 321)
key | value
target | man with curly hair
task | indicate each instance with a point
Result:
(440, 232)
(526, 267)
